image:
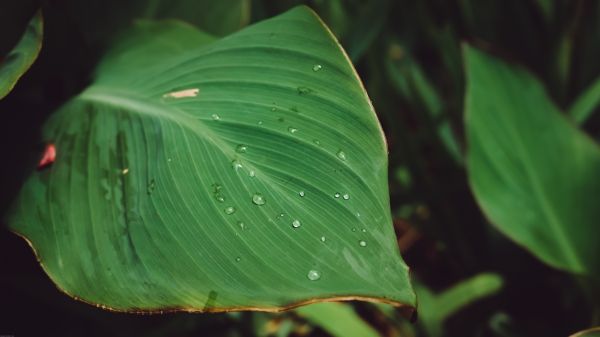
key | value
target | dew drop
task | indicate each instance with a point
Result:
(236, 164)
(354, 229)
(252, 174)
(229, 210)
(260, 122)
(317, 67)
(313, 275)
(346, 196)
(364, 230)
(125, 171)
(336, 195)
(304, 91)
(362, 243)
(242, 225)
(296, 223)
(274, 109)
(316, 141)
(238, 259)
(219, 198)
(215, 117)
(169, 160)
(151, 186)
(241, 148)
(301, 193)
(292, 129)
(341, 155)
(323, 239)
(258, 199)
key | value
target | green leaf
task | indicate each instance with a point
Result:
(435, 309)
(593, 332)
(585, 105)
(532, 172)
(208, 182)
(18, 61)
(338, 319)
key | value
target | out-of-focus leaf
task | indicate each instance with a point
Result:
(216, 17)
(547, 8)
(149, 43)
(412, 84)
(14, 18)
(100, 20)
(18, 60)
(588, 102)
(338, 319)
(248, 173)
(366, 26)
(434, 309)
(593, 332)
(532, 172)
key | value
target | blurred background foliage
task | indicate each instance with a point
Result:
(471, 280)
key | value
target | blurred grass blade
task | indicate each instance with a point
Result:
(249, 173)
(338, 319)
(410, 81)
(22, 56)
(585, 105)
(435, 309)
(533, 173)
(593, 332)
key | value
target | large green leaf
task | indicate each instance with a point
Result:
(22, 56)
(248, 173)
(533, 173)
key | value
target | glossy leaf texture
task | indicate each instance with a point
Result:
(22, 56)
(247, 173)
(534, 174)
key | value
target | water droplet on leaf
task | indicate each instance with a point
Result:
(238, 259)
(296, 223)
(313, 275)
(236, 164)
(258, 199)
(301, 193)
(323, 239)
(341, 155)
(229, 210)
(362, 243)
(241, 148)
(215, 117)
(304, 90)
(336, 195)
(242, 225)
(151, 186)
(317, 67)
(292, 129)
(346, 196)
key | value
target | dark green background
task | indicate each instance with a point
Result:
(561, 46)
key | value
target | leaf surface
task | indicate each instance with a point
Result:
(247, 173)
(534, 174)
(22, 56)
